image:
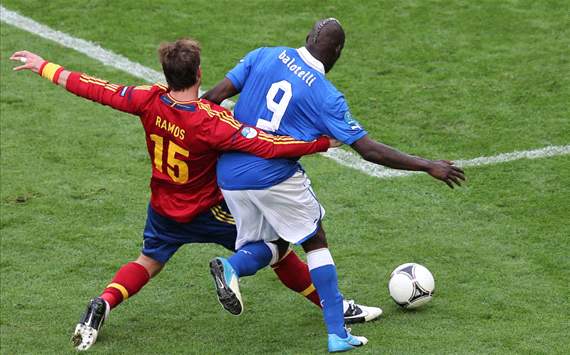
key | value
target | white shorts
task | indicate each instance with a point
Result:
(289, 210)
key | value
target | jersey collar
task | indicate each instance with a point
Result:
(312, 61)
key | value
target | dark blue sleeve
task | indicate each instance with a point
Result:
(338, 120)
(238, 75)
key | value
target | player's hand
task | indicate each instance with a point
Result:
(445, 171)
(31, 61)
(334, 143)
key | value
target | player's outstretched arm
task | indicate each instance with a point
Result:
(223, 90)
(224, 133)
(382, 154)
(37, 64)
(83, 85)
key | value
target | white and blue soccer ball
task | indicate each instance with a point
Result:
(411, 285)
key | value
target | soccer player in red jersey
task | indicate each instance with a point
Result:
(184, 135)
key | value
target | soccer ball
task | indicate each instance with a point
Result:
(411, 285)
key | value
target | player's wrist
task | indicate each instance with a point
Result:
(50, 71)
(323, 143)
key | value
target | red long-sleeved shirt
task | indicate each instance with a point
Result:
(184, 140)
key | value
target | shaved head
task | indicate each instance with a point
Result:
(328, 30)
(325, 41)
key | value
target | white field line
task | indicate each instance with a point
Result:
(350, 160)
(341, 156)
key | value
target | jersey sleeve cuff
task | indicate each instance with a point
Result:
(355, 137)
(323, 144)
(235, 82)
(73, 81)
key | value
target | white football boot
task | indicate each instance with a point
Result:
(90, 324)
(356, 313)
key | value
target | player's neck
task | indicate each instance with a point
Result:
(319, 55)
(189, 94)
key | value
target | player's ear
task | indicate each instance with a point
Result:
(199, 74)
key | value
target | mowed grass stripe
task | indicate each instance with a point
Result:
(343, 157)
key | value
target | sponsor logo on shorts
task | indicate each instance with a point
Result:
(249, 132)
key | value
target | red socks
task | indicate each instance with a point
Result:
(127, 282)
(294, 273)
(131, 278)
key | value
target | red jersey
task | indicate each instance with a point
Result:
(184, 140)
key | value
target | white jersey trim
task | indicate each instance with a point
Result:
(312, 61)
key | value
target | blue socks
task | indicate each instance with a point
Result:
(250, 258)
(254, 256)
(325, 279)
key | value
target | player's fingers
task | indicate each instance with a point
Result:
(17, 54)
(458, 174)
(458, 169)
(455, 180)
(21, 67)
(20, 54)
(448, 183)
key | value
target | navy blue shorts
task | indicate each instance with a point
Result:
(163, 236)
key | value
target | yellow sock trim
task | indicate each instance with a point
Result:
(49, 70)
(308, 290)
(121, 288)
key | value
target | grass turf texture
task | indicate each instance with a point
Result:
(444, 80)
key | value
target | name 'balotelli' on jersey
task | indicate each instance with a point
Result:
(284, 91)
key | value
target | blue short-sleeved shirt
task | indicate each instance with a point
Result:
(283, 91)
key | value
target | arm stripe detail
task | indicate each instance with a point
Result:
(221, 115)
(277, 138)
(111, 87)
(162, 86)
(274, 141)
(92, 78)
(227, 118)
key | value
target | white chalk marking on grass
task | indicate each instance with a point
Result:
(350, 160)
(341, 156)
(90, 49)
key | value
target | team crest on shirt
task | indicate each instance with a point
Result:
(249, 132)
(351, 121)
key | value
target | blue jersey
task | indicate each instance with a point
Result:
(283, 91)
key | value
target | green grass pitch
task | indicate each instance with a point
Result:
(442, 79)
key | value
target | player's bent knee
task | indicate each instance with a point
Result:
(282, 247)
(152, 266)
(318, 241)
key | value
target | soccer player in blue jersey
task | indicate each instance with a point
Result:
(285, 91)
